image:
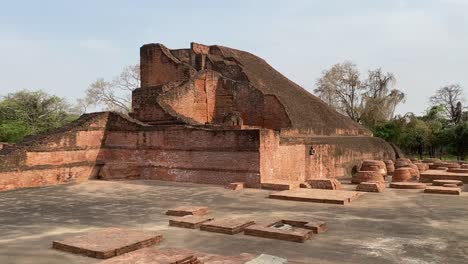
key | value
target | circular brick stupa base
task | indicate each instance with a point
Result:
(407, 185)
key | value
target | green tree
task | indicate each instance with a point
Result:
(31, 112)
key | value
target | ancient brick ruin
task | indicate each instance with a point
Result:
(208, 114)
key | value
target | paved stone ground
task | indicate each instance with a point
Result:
(397, 226)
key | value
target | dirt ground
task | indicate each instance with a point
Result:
(397, 226)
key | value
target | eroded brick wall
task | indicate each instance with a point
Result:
(158, 66)
(183, 154)
(69, 155)
(300, 159)
(280, 162)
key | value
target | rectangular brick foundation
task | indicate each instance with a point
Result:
(176, 256)
(154, 255)
(280, 185)
(442, 190)
(187, 210)
(294, 235)
(228, 226)
(107, 243)
(189, 221)
(317, 196)
(371, 187)
(430, 175)
(295, 230)
(328, 184)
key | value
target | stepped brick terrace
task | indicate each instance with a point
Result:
(206, 114)
(213, 134)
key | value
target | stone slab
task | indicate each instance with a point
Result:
(317, 196)
(407, 185)
(187, 210)
(430, 175)
(442, 190)
(228, 226)
(107, 243)
(189, 221)
(442, 182)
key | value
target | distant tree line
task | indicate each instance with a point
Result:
(31, 112)
(441, 132)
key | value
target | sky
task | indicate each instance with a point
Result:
(62, 46)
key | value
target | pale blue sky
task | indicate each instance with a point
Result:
(62, 46)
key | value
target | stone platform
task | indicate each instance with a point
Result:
(407, 185)
(228, 226)
(189, 221)
(430, 175)
(317, 196)
(107, 243)
(443, 190)
(187, 210)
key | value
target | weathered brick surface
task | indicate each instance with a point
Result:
(317, 196)
(443, 190)
(408, 185)
(367, 176)
(457, 170)
(43, 177)
(370, 187)
(329, 184)
(235, 186)
(190, 221)
(208, 114)
(294, 235)
(294, 230)
(430, 175)
(402, 174)
(176, 256)
(442, 182)
(154, 256)
(228, 226)
(280, 185)
(187, 210)
(107, 243)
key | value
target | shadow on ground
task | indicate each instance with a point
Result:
(398, 226)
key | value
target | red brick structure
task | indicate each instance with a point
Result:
(207, 114)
